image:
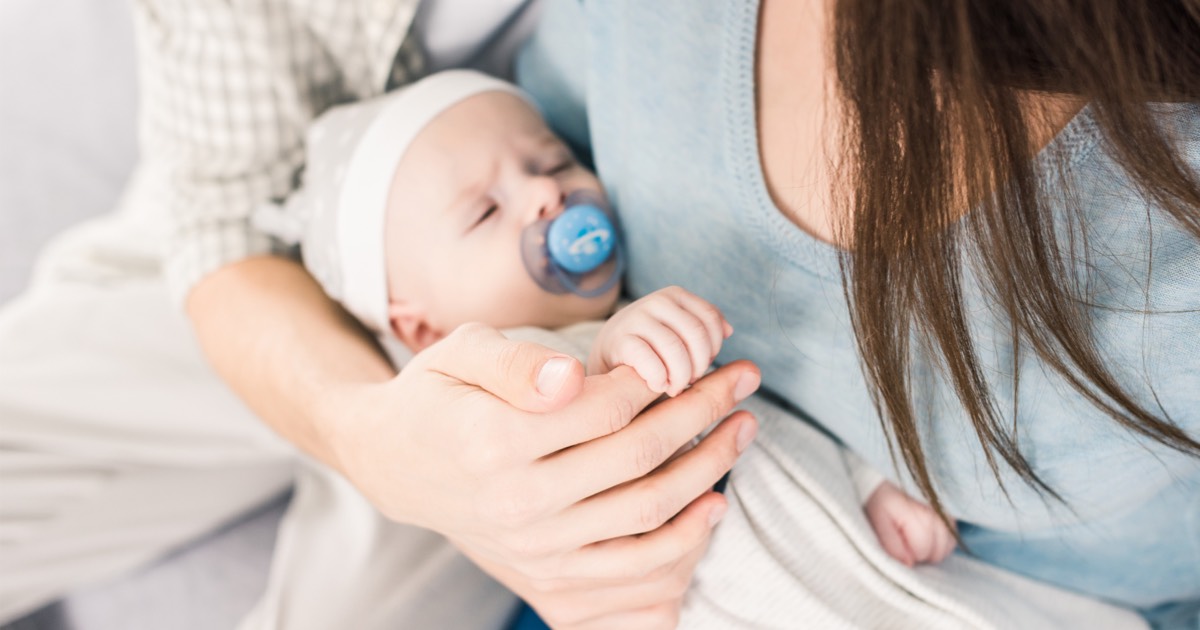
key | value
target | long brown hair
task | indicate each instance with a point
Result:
(919, 77)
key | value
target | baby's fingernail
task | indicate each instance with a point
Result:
(746, 385)
(728, 330)
(717, 514)
(745, 435)
(553, 376)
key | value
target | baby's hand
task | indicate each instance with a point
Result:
(669, 338)
(909, 530)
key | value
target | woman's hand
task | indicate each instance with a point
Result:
(543, 477)
(652, 601)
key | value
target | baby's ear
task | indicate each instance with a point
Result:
(411, 326)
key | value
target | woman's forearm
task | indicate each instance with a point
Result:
(272, 334)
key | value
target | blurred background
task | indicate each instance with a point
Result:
(67, 139)
(68, 103)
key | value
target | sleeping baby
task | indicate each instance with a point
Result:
(450, 201)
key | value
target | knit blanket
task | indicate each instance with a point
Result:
(796, 551)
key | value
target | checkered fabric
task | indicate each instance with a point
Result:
(228, 91)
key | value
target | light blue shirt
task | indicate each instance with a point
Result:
(661, 92)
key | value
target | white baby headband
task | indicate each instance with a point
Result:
(361, 204)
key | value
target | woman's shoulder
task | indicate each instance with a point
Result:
(1137, 264)
(1132, 250)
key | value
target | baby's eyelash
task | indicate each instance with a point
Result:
(559, 167)
(486, 214)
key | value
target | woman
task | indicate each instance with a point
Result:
(973, 246)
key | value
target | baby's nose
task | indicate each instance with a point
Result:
(546, 199)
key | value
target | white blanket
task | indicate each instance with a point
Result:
(796, 550)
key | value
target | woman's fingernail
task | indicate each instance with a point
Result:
(717, 514)
(746, 385)
(553, 376)
(746, 434)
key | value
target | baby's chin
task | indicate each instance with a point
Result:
(602, 306)
(564, 310)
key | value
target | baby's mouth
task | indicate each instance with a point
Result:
(579, 251)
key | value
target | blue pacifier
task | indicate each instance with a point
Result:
(579, 251)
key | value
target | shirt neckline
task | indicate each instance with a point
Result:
(1072, 143)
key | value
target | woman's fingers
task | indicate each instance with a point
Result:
(646, 504)
(658, 432)
(660, 617)
(608, 403)
(594, 607)
(589, 602)
(636, 557)
(525, 375)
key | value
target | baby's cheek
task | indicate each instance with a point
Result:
(511, 304)
(472, 296)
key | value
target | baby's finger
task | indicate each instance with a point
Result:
(893, 542)
(945, 543)
(714, 322)
(673, 350)
(640, 354)
(921, 535)
(695, 336)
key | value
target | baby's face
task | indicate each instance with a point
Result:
(465, 189)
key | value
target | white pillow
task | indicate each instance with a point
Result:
(67, 120)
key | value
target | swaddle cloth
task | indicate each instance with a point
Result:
(796, 551)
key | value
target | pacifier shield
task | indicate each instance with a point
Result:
(578, 251)
(581, 239)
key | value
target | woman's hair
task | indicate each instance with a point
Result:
(934, 95)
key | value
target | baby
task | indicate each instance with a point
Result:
(440, 204)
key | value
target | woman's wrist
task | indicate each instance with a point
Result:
(290, 352)
(335, 417)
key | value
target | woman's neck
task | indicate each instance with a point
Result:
(799, 119)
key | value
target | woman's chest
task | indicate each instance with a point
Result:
(797, 120)
(672, 107)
